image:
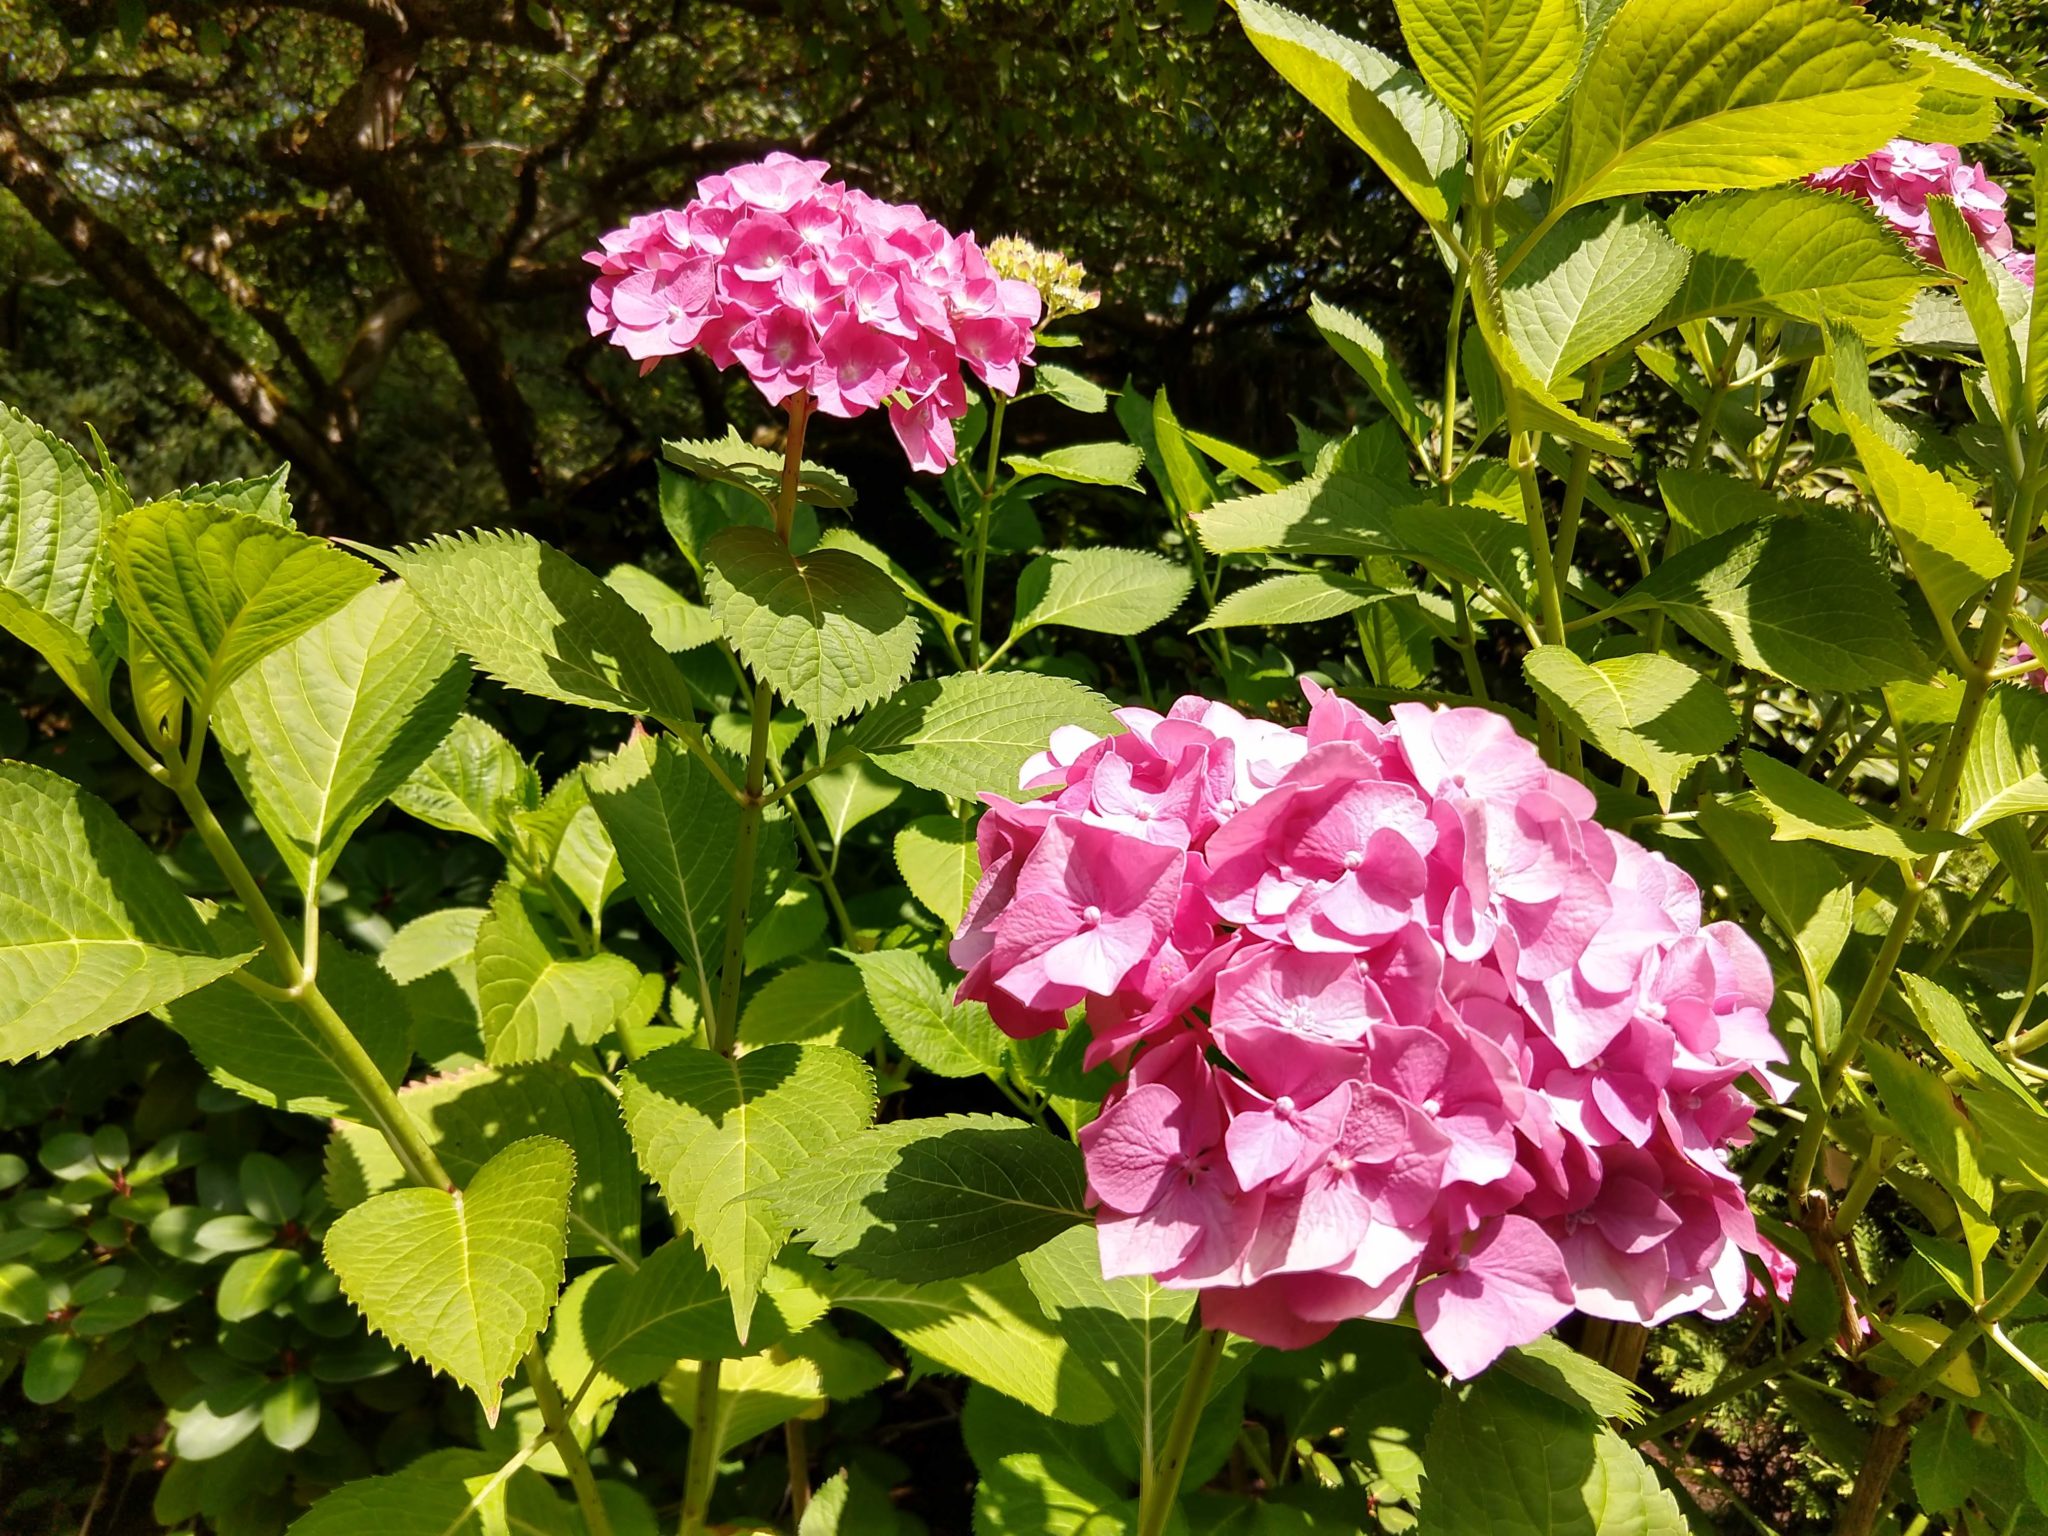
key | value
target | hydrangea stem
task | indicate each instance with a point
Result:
(753, 796)
(555, 1415)
(1161, 1488)
(702, 1471)
(977, 566)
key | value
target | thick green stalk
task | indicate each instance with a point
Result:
(1576, 477)
(702, 1470)
(1447, 426)
(753, 795)
(556, 1417)
(1161, 1490)
(977, 565)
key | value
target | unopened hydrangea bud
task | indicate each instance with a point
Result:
(1061, 283)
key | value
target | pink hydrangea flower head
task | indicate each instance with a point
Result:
(1897, 181)
(1401, 1024)
(818, 290)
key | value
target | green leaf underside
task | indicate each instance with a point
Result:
(1648, 712)
(472, 1115)
(830, 631)
(1590, 284)
(267, 1050)
(1798, 253)
(989, 1328)
(677, 835)
(946, 1038)
(321, 731)
(92, 931)
(463, 1281)
(735, 461)
(962, 735)
(533, 995)
(1702, 95)
(937, 1197)
(537, 621)
(1799, 598)
(1104, 591)
(714, 1132)
(214, 592)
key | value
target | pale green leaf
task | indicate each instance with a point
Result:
(1495, 62)
(932, 1198)
(470, 1116)
(1300, 598)
(1920, 1104)
(1339, 512)
(714, 1132)
(1800, 886)
(1383, 109)
(1026, 1493)
(92, 931)
(473, 782)
(1553, 1366)
(1531, 403)
(937, 857)
(1506, 1458)
(676, 623)
(1705, 503)
(2005, 772)
(538, 622)
(946, 1038)
(436, 941)
(1592, 282)
(1180, 473)
(735, 461)
(962, 735)
(1701, 95)
(1959, 1039)
(1798, 597)
(826, 1513)
(828, 630)
(1804, 809)
(1648, 712)
(534, 994)
(637, 1324)
(1354, 340)
(445, 1493)
(1114, 464)
(1996, 303)
(261, 496)
(54, 511)
(322, 730)
(1104, 591)
(1797, 253)
(850, 794)
(815, 1001)
(1071, 389)
(214, 592)
(989, 1328)
(677, 835)
(269, 1050)
(465, 1280)
(2014, 849)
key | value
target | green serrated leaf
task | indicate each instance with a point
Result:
(463, 1280)
(1505, 1457)
(1303, 598)
(937, 857)
(1496, 63)
(714, 1132)
(533, 994)
(1701, 95)
(1591, 283)
(1334, 512)
(1362, 347)
(444, 1493)
(828, 630)
(989, 1328)
(1920, 1104)
(1796, 253)
(322, 730)
(932, 1198)
(962, 735)
(1804, 809)
(1381, 107)
(1648, 712)
(946, 1038)
(92, 931)
(1071, 389)
(470, 1116)
(1947, 542)
(473, 782)
(1705, 503)
(816, 1001)
(1797, 597)
(1800, 886)
(1104, 591)
(638, 1324)
(850, 794)
(1950, 1029)
(677, 835)
(1996, 303)
(537, 621)
(1114, 464)
(737, 462)
(268, 1050)
(677, 623)
(214, 592)
(261, 496)
(2005, 772)
(54, 512)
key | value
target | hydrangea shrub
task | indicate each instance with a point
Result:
(1595, 869)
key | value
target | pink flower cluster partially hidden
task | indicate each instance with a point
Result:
(816, 288)
(1899, 179)
(1401, 1020)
